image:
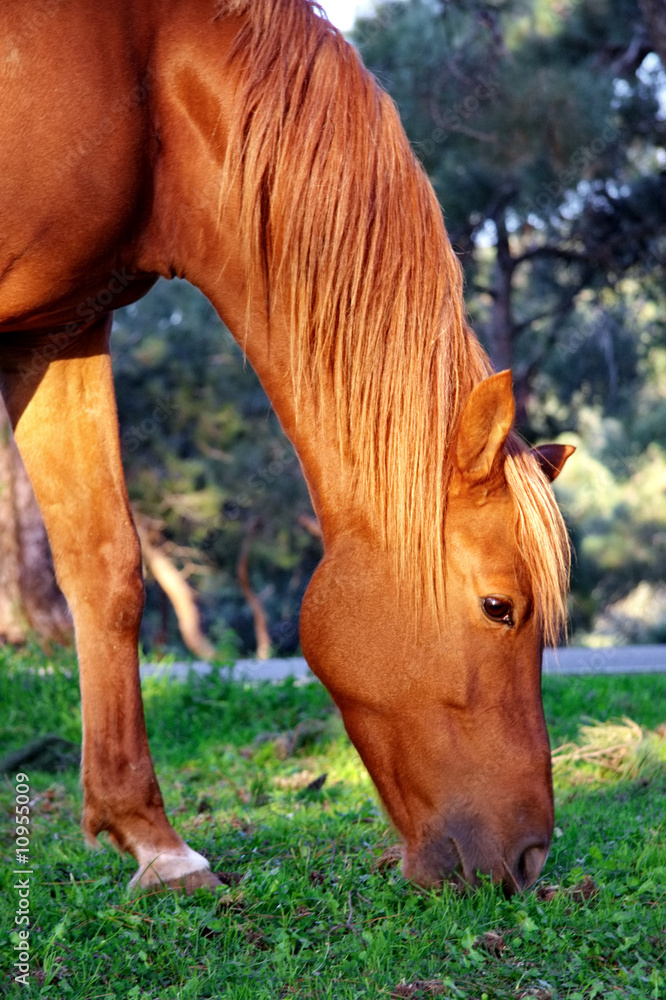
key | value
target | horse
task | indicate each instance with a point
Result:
(241, 145)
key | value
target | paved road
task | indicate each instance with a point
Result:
(613, 660)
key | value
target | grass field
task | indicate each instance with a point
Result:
(312, 905)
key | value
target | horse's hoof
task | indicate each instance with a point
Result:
(183, 870)
(195, 880)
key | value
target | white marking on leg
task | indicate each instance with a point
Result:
(157, 866)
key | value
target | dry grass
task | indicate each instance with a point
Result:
(621, 746)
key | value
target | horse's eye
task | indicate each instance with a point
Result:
(498, 609)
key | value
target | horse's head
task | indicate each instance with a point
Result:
(447, 715)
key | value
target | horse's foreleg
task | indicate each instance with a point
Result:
(66, 428)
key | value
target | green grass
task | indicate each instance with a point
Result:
(306, 911)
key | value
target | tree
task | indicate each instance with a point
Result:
(205, 457)
(654, 14)
(30, 599)
(542, 129)
(538, 124)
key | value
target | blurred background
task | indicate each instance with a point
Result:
(542, 125)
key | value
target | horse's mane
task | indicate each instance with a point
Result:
(339, 213)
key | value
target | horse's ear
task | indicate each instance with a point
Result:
(551, 458)
(484, 425)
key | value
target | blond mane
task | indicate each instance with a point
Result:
(338, 211)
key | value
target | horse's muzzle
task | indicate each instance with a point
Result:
(463, 859)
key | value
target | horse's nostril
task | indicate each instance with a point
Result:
(526, 870)
(530, 863)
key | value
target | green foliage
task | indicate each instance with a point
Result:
(307, 910)
(615, 505)
(204, 458)
(519, 105)
(540, 127)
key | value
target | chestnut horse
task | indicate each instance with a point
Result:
(240, 144)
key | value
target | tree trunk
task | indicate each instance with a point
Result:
(30, 599)
(174, 584)
(311, 525)
(13, 620)
(654, 15)
(501, 327)
(261, 632)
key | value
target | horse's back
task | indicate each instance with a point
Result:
(75, 152)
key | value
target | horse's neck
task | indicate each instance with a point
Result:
(193, 233)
